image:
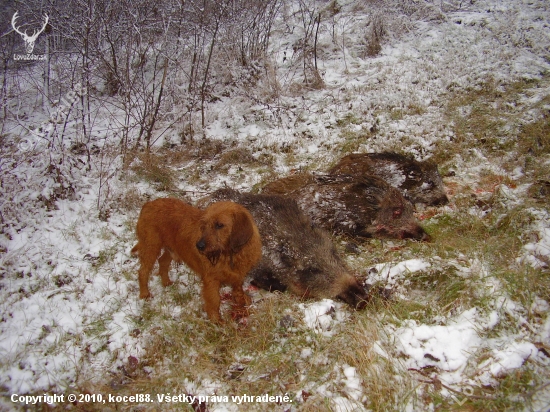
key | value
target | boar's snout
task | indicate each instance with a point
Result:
(355, 295)
(416, 233)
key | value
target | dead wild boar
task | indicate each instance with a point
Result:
(296, 255)
(364, 206)
(419, 182)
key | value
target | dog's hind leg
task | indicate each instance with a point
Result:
(164, 267)
(147, 258)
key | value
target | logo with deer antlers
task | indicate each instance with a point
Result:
(29, 40)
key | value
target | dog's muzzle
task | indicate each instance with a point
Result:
(213, 256)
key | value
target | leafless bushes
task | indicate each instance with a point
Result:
(375, 32)
(144, 61)
(147, 66)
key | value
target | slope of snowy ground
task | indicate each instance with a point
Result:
(68, 288)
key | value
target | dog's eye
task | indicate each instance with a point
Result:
(219, 225)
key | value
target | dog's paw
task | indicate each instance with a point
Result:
(145, 295)
(215, 319)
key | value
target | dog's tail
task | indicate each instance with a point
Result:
(135, 250)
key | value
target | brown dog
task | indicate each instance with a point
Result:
(221, 244)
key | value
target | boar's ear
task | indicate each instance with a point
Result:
(241, 232)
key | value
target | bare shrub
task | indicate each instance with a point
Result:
(375, 31)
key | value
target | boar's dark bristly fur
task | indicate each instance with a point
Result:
(297, 256)
(420, 182)
(357, 206)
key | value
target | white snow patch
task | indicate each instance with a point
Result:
(312, 148)
(353, 383)
(343, 404)
(537, 253)
(390, 272)
(323, 316)
(448, 347)
(306, 353)
(511, 357)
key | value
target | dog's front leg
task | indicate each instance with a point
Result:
(211, 297)
(240, 297)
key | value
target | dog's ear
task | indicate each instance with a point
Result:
(241, 232)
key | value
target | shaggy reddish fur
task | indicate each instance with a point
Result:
(220, 243)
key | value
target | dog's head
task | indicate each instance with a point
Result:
(225, 227)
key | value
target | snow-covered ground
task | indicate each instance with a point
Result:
(68, 288)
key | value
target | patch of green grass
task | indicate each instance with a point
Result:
(511, 394)
(534, 138)
(524, 284)
(514, 392)
(234, 157)
(480, 118)
(268, 175)
(458, 232)
(157, 173)
(349, 118)
(351, 140)
(402, 310)
(411, 110)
